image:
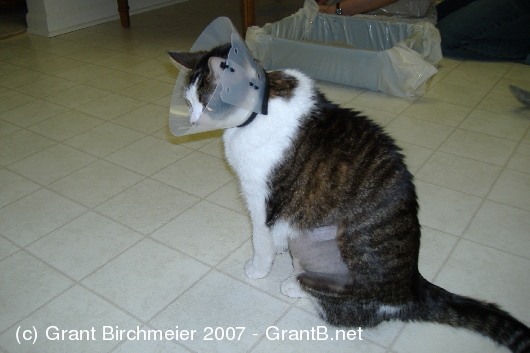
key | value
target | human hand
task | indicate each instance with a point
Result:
(326, 9)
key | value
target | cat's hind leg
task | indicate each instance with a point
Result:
(315, 251)
(291, 287)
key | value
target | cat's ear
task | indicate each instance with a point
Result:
(186, 60)
(217, 66)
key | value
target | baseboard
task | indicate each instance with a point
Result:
(51, 25)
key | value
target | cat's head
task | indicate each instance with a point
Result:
(205, 70)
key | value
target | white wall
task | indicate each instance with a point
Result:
(50, 18)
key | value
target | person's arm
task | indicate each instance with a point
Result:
(354, 7)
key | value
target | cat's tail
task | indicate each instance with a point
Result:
(435, 304)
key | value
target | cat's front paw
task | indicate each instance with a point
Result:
(291, 288)
(255, 272)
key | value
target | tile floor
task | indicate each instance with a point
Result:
(108, 222)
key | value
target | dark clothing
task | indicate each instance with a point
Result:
(485, 29)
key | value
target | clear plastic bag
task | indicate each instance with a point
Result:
(378, 53)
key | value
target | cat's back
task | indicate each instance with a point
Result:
(338, 160)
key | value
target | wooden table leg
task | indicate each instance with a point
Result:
(249, 14)
(123, 9)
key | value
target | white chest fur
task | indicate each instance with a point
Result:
(255, 149)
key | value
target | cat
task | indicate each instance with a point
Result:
(331, 186)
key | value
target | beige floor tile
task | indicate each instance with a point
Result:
(104, 139)
(147, 205)
(66, 125)
(470, 79)
(150, 68)
(488, 274)
(504, 104)
(56, 66)
(459, 173)
(229, 196)
(46, 86)
(519, 72)
(415, 156)
(478, 146)
(11, 99)
(458, 95)
(32, 113)
(437, 112)
(96, 183)
(14, 186)
(20, 78)
(495, 124)
(120, 44)
(35, 215)
(92, 54)
(83, 245)
(85, 73)
(503, 86)
(52, 164)
(76, 96)
(115, 81)
(148, 91)
(31, 284)
(110, 106)
(501, 226)
(31, 58)
(214, 148)
(382, 101)
(148, 286)
(512, 188)
(197, 173)
(526, 137)
(236, 307)
(498, 69)
(12, 51)
(446, 210)
(419, 132)
(118, 61)
(7, 68)
(434, 251)
(224, 230)
(338, 93)
(7, 128)
(437, 338)
(147, 119)
(21, 144)
(148, 155)
(520, 160)
(76, 309)
(149, 50)
(282, 268)
(7, 248)
(62, 47)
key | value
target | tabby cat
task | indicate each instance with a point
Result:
(332, 187)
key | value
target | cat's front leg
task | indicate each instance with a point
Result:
(260, 265)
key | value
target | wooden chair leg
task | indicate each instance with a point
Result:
(249, 14)
(123, 9)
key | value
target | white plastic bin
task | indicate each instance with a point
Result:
(393, 55)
